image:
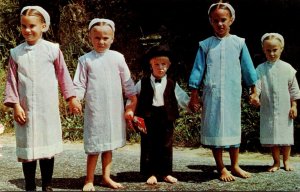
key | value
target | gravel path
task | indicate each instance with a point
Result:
(194, 168)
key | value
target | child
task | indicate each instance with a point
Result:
(158, 101)
(36, 67)
(100, 77)
(278, 89)
(221, 61)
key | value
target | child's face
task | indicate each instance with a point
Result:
(159, 66)
(101, 37)
(221, 19)
(272, 49)
(32, 28)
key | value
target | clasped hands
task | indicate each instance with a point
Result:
(254, 100)
(75, 106)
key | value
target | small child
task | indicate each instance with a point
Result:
(279, 91)
(221, 62)
(100, 79)
(158, 100)
(36, 67)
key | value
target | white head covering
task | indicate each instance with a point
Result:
(108, 21)
(225, 4)
(277, 35)
(42, 11)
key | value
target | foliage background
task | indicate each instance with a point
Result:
(141, 24)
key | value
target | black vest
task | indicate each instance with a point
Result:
(145, 99)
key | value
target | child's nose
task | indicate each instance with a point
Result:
(160, 66)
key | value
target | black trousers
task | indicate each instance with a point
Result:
(29, 170)
(157, 144)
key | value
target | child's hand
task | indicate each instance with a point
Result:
(254, 100)
(194, 107)
(293, 112)
(129, 117)
(75, 106)
(129, 111)
(129, 114)
(19, 114)
(194, 104)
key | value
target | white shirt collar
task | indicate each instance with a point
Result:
(164, 78)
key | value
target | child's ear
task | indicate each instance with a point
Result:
(231, 21)
(44, 27)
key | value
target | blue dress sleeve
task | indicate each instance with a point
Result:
(248, 71)
(198, 69)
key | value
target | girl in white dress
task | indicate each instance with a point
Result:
(101, 77)
(36, 68)
(278, 89)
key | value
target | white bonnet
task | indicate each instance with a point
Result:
(108, 21)
(277, 35)
(225, 4)
(42, 11)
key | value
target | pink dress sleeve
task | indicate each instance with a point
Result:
(63, 76)
(11, 89)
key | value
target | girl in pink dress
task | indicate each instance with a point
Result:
(36, 68)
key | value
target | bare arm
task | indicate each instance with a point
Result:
(293, 110)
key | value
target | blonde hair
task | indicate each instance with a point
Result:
(102, 22)
(268, 36)
(33, 12)
(38, 12)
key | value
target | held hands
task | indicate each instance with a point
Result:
(75, 106)
(254, 97)
(129, 117)
(129, 114)
(129, 111)
(19, 114)
(194, 104)
(254, 100)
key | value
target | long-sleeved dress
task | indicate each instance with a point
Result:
(222, 63)
(34, 74)
(100, 80)
(277, 87)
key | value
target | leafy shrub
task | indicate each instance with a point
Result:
(250, 125)
(187, 129)
(72, 127)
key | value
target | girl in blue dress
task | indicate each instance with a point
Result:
(222, 61)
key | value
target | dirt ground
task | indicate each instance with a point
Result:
(194, 168)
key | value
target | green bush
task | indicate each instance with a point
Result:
(250, 125)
